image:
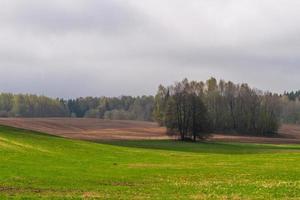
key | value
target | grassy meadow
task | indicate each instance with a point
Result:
(38, 166)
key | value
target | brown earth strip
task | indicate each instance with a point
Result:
(98, 129)
(89, 129)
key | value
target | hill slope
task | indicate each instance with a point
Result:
(40, 166)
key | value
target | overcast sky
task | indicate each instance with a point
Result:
(114, 47)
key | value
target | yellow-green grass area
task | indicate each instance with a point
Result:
(38, 166)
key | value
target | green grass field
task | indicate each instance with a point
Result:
(37, 166)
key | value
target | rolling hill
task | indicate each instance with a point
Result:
(34, 165)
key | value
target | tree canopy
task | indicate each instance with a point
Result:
(123, 108)
(192, 109)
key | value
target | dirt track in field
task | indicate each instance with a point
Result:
(97, 129)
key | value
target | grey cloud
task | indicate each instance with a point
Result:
(105, 15)
(114, 47)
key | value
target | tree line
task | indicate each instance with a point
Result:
(115, 108)
(211, 106)
(26, 105)
(193, 109)
(118, 108)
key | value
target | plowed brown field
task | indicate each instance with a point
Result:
(89, 129)
(97, 129)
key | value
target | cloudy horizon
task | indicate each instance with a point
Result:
(129, 47)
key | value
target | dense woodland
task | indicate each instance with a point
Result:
(192, 108)
(123, 108)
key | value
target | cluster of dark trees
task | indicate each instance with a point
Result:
(123, 108)
(193, 109)
(291, 107)
(181, 109)
(293, 96)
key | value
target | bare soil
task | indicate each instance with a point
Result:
(89, 129)
(98, 129)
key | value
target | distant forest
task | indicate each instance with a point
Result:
(118, 108)
(217, 97)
